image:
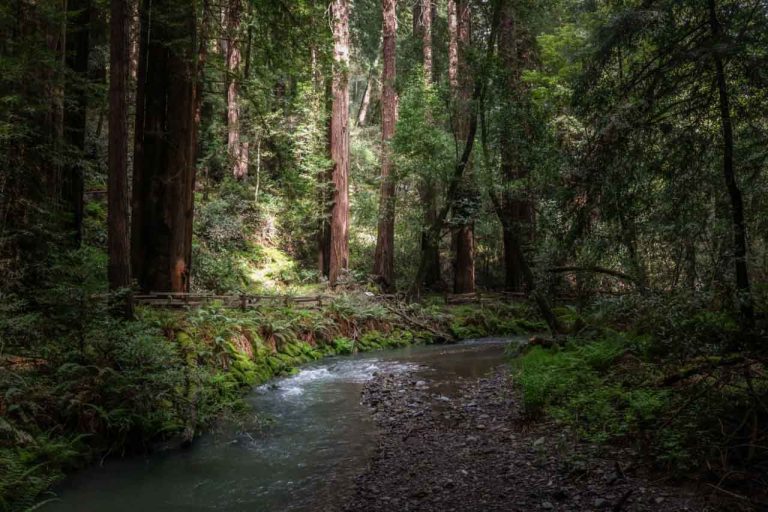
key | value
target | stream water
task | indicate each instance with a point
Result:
(307, 439)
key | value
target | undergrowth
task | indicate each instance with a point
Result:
(674, 382)
(107, 386)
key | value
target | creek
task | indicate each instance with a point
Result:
(307, 438)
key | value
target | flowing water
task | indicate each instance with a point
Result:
(307, 439)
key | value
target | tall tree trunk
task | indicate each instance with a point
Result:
(118, 247)
(743, 288)
(339, 257)
(526, 274)
(365, 102)
(464, 233)
(453, 47)
(164, 166)
(426, 39)
(384, 257)
(78, 46)
(515, 206)
(237, 149)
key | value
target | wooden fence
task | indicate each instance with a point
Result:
(182, 300)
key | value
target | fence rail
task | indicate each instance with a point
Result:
(181, 300)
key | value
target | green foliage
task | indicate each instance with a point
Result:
(664, 384)
(343, 346)
(498, 319)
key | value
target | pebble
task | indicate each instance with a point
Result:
(473, 454)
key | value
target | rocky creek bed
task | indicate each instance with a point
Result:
(469, 448)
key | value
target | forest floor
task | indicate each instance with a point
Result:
(471, 449)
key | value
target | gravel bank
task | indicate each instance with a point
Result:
(469, 449)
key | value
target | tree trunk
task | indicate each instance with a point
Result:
(365, 102)
(339, 253)
(164, 166)
(744, 291)
(118, 247)
(453, 47)
(464, 233)
(426, 38)
(515, 206)
(384, 257)
(433, 233)
(238, 150)
(526, 274)
(431, 251)
(78, 46)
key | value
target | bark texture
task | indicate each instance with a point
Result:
(339, 253)
(453, 46)
(164, 159)
(426, 39)
(384, 258)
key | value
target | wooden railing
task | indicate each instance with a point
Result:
(482, 297)
(180, 300)
(246, 301)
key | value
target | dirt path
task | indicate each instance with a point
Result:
(471, 451)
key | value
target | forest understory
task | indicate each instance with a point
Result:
(588, 173)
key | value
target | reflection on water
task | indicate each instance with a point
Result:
(308, 439)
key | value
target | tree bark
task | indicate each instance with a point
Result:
(384, 257)
(339, 253)
(164, 159)
(365, 102)
(431, 251)
(525, 271)
(426, 38)
(237, 149)
(118, 246)
(453, 46)
(746, 307)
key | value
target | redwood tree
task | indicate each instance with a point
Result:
(236, 147)
(339, 141)
(164, 154)
(384, 257)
